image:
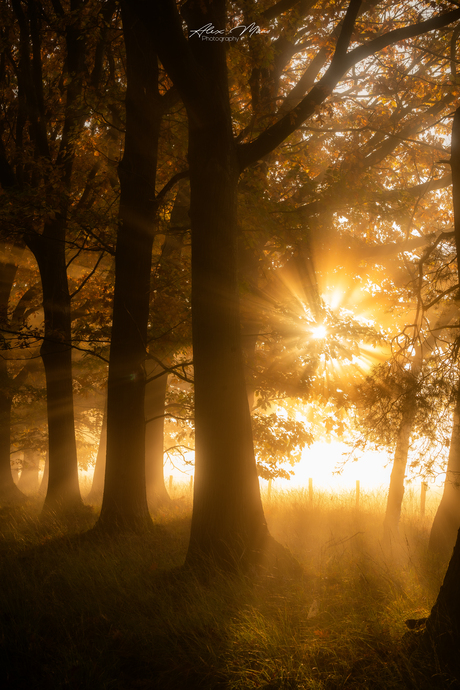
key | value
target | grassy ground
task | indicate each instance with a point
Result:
(120, 614)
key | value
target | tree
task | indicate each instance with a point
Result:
(228, 522)
(447, 519)
(47, 77)
(124, 502)
(169, 335)
(8, 384)
(443, 624)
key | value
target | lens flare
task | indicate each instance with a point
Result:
(319, 332)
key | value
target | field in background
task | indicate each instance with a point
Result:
(119, 613)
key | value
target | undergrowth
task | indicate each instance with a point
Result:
(80, 611)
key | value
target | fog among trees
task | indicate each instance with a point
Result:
(228, 231)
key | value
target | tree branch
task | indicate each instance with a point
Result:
(341, 62)
(170, 184)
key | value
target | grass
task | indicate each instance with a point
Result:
(120, 613)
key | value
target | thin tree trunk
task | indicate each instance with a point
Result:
(97, 487)
(44, 482)
(398, 473)
(8, 489)
(163, 346)
(155, 395)
(124, 502)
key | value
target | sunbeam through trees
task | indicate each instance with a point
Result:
(228, 243)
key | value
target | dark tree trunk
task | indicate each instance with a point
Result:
(443, 624)
(56, 351)
(228, 524)
(155, 394)
(447, 519)
(97, 487)
(124, 502)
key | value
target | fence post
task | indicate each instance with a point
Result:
(310, 489)
(423, 488)
(357, 493)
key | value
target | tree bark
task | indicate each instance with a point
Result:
(124, 502)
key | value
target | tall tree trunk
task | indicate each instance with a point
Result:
(8, 489)
(164, 345)
(124, 502)
(49, 246)
(46, 470)
(398, 473)
(228, 524)
(443, 624)
(97, 487)
(447, 519)
(155, 394)
(56, 351)
(9, 492)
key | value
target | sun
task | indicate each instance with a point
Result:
(319, 332)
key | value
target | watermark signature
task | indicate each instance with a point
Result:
(209, 33)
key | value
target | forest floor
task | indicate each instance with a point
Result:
(120, 613)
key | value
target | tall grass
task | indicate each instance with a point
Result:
(78, 611)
